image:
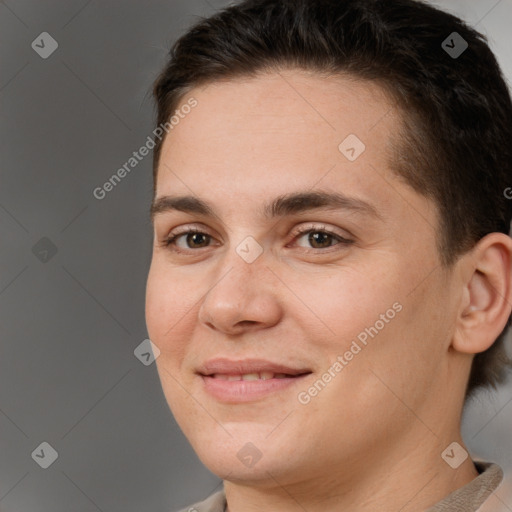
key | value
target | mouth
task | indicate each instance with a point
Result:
(252, 376)
(247, 380)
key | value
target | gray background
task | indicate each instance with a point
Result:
(69, 325)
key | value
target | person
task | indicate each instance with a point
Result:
(331, 271)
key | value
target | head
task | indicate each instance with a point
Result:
(359, 99)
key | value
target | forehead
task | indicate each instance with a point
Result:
(289, 113)
(249, 138)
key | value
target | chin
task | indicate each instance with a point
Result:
(231, 469)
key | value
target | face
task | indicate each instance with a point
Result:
(333, 305)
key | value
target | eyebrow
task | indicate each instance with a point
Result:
(288, 204)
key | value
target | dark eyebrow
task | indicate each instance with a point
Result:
(281, 206)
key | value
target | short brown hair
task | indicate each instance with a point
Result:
(455, 146)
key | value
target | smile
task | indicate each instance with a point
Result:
(247, 380)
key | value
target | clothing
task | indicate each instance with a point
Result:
(473, 495)
(476, 496)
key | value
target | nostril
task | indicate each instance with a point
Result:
(246, 323)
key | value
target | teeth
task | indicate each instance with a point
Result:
(250, 376)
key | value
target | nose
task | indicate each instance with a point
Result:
(244, 296)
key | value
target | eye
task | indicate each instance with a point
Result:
(193, 239)
(319, 237)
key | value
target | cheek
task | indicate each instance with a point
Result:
(406, 357)
(157, 303)
(167, 306)
(373, 319)
(167, 324)
(343, 304)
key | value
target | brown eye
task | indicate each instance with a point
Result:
(194, 240)
(320, 239)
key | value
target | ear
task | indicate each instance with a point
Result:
(487, 296)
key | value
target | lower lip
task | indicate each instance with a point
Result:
(238, 391)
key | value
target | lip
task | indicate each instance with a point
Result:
(241, 366)
(240, 391)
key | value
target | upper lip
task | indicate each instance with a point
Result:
(245, 366)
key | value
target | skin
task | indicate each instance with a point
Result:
(372, 438)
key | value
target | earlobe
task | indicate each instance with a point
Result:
(486, 301)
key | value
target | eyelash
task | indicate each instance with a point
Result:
(171, 239)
